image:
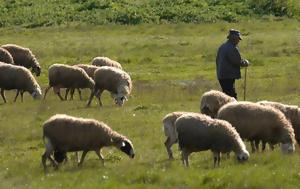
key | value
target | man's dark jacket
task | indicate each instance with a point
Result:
(228, 61)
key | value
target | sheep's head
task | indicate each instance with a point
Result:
(120, 100)
(60, 156)
(243, 156)
(37, 70)
(205, 110)
(37, 93)
(287, 148)
(125, 146)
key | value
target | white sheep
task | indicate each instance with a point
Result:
(105, 61)
(212, 101)
(70, 77)
(89, 69)
(170, 130)
(199, 132)
(116, 81)
(63, 133)
(255, 122)
(18, 77)
(291, 112)
(23, 57)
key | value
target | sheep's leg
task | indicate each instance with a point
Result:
(263, 147)
(82, 157)
(168, 147)
(49, 150)
(67, 92)
(3, 95)
(271, 146)
(252, 146)
(46, 91)
(16, 95)
(185, 157)
(22, 92)
(98, 152)
(257, 145)
(79, 92)
(57, 91)
(216, 159)
(93, 92)
(98, 95)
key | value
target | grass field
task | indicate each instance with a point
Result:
(171, 66)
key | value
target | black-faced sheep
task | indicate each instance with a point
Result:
(63, 133)
(18, 77)
(5, 56)
(212, 101)
(116, 81)
(170, 130)
(23, 57)
(199, 132)
(105, 61)
(70, 77)
(255, 122)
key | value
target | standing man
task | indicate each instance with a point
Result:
(229, 63)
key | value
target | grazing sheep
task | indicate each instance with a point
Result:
(256, 122)
(212, 101)
(116, 81)
(170, 130)
(70, 77)
(18, 77)
(5, 56)
(199, 132)
(63, 133)
(291, 112)
(105, 61)
(89, 69)
(23, 57)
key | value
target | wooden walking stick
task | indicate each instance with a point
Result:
(245, 83)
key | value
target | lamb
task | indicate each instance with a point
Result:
(199, 132)
(170, 130)
(5, 56)
(116, 81)
(89, 69)
(63, 133)
(212, 101)
(291, 112)
(18, 77)
(105, 61)
(23, 57)
(256, 122)
(65, 76)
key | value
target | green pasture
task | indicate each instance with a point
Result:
(171, 65)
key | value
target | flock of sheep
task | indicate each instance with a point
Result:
(221, 126)
(224, 123)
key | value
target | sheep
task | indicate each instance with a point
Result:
(170, 130)
(291, 112)
(65, 76)
(105, 61)
(18, 77)
(63, 133)
(23, 57)
(116, 81)
(5, 56)
(199, 132)
(212, 101)
(256, 122)
(89, 69)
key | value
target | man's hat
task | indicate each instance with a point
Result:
(235, 32)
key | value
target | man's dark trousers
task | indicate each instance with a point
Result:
(228, 87)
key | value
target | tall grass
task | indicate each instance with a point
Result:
(171, 66)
